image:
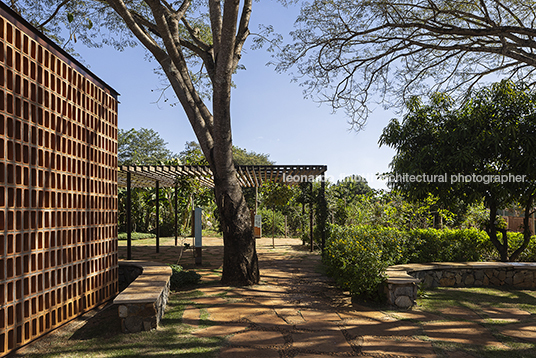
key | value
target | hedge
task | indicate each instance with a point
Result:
(357, 256)
(135, 236)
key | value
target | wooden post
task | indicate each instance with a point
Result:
(303, 223)
(256, 199)
(198, 236)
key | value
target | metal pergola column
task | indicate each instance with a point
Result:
(311, 218)
(129, 218)
(157, 216)
(324, 210)
(176, 212)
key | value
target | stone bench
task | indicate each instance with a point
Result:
(402, 280)
(141, 305)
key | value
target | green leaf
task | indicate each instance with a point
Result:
(70, 17)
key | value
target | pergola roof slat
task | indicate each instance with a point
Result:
(248, 175)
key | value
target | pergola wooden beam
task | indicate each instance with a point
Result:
(145, 176)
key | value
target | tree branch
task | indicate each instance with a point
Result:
(122, 10)
(42, 25)
(463, 40)
(243, 30)
(216, 25)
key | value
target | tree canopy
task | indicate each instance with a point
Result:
(484, 149)
(350, 188)
(141, 147)
(192, 155)
(241, 156)
(348, 50)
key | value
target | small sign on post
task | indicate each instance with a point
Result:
(198, 242)
(257, 226)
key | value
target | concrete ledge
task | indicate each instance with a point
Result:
(141, 305)
(402, 280)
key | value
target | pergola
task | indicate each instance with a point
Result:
(252, 176)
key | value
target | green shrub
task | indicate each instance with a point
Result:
(357, 256)
(268, 223)
(515, 240)
(136, 236)
(432, 245)
(181, 278)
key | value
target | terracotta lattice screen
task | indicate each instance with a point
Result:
(58, 194)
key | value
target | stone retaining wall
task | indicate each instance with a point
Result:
(402, 280)
(497, 277)
(142, 304)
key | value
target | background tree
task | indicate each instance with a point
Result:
(142, 147)
(350, 187)
(243, 157)
(276, 196)
(191, 42)
(350, 49)
(193, 155)
(474, 145)
(139, 147)
(343, 194)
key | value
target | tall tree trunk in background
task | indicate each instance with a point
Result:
(526, 227)
(492, 233)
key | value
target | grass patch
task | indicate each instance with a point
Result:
(477, 298)
(172, 339)
(481, 300)
(136, 236)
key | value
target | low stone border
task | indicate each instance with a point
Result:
(141, 305)
(402, 280)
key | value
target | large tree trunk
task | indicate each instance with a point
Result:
(240, 263)
(213, 130)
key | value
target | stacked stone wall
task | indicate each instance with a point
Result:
(497, 277)
(142, 304)
(403, 280)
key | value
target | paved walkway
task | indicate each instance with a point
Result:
(297, 312)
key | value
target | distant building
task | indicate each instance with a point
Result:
(514, 220)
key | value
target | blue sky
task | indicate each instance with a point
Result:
(269, 113)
